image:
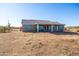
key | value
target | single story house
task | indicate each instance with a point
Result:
(41, 26)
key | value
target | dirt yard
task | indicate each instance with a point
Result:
(19, 43)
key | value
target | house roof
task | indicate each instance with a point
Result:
(31, 21)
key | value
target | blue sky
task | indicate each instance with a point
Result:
(61, 12)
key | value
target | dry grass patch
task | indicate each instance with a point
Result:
(39, 44)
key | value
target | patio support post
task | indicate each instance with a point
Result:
(51, 28)
(57, 28)
(37, 27)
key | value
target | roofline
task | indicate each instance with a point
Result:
(44, 24)
(58, 24)
(44, 20)
(34, 19)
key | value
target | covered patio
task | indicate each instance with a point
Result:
(41, 26)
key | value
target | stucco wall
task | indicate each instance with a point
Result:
(54, 28)
(29, 28)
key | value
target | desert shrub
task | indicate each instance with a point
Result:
(77, 30)
(4, 29)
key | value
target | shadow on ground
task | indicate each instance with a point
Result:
(58, 33)
(65, 33)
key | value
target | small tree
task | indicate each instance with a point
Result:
(9, 27)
